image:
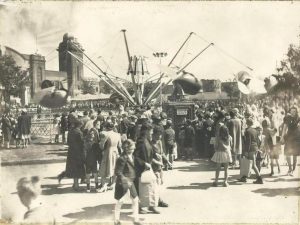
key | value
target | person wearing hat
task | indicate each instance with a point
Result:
(144, 156)
(24, 125)
(208, 134)
(126, 175)
(6, 129)
(189, 138)
(112, 149)
(63, 126)
(235, 131)
(170, 143)
(159, 121)
(252, 143)
(75, 157)
(124, 124)
(132, 127)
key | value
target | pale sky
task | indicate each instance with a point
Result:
(256, 33)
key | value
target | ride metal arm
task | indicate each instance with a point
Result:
(101, 76)
(104, 74)
(130, 66)
(152, 95)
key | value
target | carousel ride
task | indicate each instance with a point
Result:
(55, 96)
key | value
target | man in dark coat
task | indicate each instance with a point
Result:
(132, 128)
(64, 127)
(208, 133)
(144, 157)
(169, 141)
(125, 173)
(189, 139)
(251, 147)
(75, 158)
(24, 125)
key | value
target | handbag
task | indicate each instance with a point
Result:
(245, 167)
(212, 140)
(148, 176)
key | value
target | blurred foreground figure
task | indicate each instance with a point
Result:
(29, 190)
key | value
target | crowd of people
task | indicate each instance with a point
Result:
(128, 151)
(16, 128)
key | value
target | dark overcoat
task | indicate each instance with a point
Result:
(125, 172)
(24, 124)
(75, 158)
(143, 154)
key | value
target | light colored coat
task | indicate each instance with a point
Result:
(235, 131)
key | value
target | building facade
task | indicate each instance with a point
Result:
(70, 69)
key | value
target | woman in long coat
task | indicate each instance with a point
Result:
(92, 152)
(235, 131)
(75, 158)
(24, 125)
(291, 138)
(112, 149)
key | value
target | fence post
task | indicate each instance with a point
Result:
(50, 119)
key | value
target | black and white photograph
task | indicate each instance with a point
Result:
(149, 112)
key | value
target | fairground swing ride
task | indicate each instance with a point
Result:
(184, 82)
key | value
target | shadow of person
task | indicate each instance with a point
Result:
(103, 212)
(202, 165)
(285, 180)
(55, 189)
(272, 192)
(199, 186)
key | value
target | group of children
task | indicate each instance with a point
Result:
(265, 150)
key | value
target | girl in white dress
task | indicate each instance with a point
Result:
(222, 153)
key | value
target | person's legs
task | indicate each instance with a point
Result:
(234, 159)
(289, 161)
(278, 166)
(8, 144)
(118, 207)
(56, 140)
(63, 136)
(294, 162)
(217, 174)
(225, 173)
(258, 177)
(75, 184)
(104, 184)
(272, 167)
(61, 176)
(135, 209)
(88, 182)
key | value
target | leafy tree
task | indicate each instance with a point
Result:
(231, 89)
(292, 63)
(89, 87)
(12, 77)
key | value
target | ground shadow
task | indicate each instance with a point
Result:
(285, 180)
(56, 189)
(58, 152)
(104, 211)
(201, 165)
(272, 192)
(200, 186)
(47, 143)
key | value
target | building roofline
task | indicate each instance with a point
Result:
(24, 56)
